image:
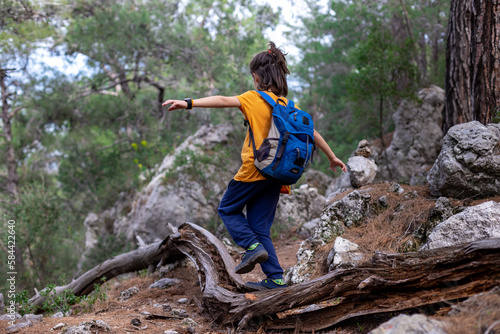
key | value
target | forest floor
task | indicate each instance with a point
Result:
(391, 230)
(118, 315)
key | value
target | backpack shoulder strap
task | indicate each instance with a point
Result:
(273, 103)
(268, 99)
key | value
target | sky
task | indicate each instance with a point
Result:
(289, 11)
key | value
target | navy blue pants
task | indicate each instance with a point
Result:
(260, 199)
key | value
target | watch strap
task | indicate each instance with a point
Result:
(189, 102)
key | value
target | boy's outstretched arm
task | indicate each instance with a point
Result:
(206, 102)
(323, 146)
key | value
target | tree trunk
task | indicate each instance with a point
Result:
(387, 283)
(472, 62)
(12, 176)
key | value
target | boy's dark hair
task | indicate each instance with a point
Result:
(271, 70)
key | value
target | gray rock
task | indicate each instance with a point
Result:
(301, 206)
(473, 302)
(346, 260)
(89, 327)
(10, 317)
(354, 208)
(165, 283)
(126, 294)
(416, 140)
(344, 255)
(414, 324)
(17, 327)
(396, 188)
(383, 201)
(58, 315)
(363, 149)
(59, 326)
(188, 322)
(443, 209)
(474, 223)
(183, 301)
(307, 230)
(177, 312)
(362, 171)
(34, 318)
(342, 245)
(469, 162)
(101, 225)
(301, 272)
(2, 304)
(176, 193)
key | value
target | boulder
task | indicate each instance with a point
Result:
(474, 223)
(469, 162)
(307, 229)
(301, 206)
(416, 141)
(362, 171)
(351, 209)
(186, 187)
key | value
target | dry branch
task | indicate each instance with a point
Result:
(387, 283)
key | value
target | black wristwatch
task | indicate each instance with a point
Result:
(190, 103)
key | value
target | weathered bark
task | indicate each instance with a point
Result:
(387, 283)
(472, 62)
(390, 282)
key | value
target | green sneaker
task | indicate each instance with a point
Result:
(256, 253)
(267, 284)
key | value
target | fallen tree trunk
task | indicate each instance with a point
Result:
(387, 283)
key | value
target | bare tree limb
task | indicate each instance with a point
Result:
(386, 283)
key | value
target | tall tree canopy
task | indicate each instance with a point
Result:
(357, 54)
(78, 141)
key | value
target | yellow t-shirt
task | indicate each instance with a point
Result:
(258, 113)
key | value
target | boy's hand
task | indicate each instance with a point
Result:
(176, 104)
(336, 162)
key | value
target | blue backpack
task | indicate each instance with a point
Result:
(289, 145)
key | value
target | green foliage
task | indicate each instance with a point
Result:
(23, 304)
(45, 236)
(349, 48)
(60, 302)
(82, 140)
(382, 74)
